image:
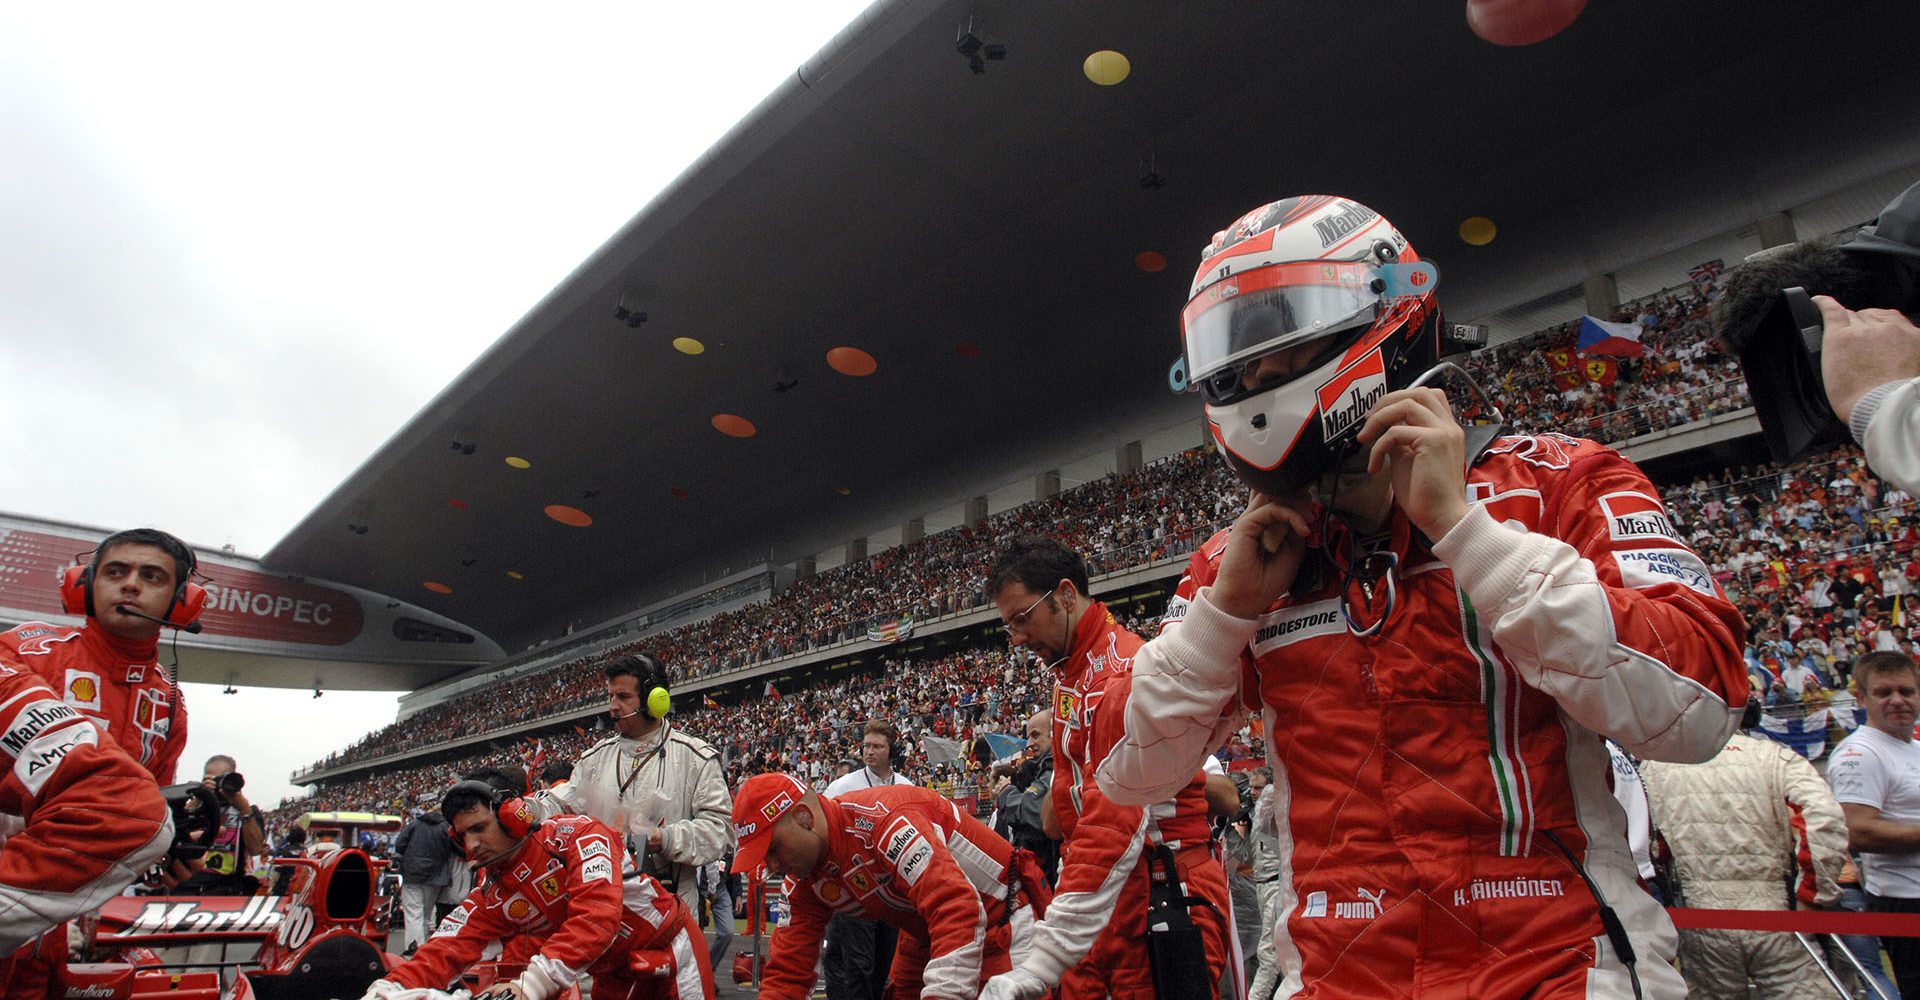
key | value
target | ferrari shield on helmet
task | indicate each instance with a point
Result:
(1329, 280)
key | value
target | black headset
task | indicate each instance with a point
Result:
(515, 813)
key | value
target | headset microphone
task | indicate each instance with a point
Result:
(615, 718)
(128, 609)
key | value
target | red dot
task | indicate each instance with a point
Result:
(852, 361)
(967, 349)
(1150, 261)
(572, 517)
(734, 426)
(456, 504)
(679, 494)
(437, 587)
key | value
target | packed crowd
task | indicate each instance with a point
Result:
(1158, 512)
(1683, 377)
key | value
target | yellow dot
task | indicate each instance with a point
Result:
(1106, 67)
(1478, 231)
(688, 345)
(514, 574)
(518, 462)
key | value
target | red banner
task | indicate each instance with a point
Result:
(1804, 921)
(1602, 371)
(242, 603)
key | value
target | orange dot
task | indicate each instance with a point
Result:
(1150, 261)
(437, 587)
(852, 361)
(572, 517)
(733, 426)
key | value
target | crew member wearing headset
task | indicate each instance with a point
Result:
(859, 950)
(136, 583)
(554, 888)
(659, 785)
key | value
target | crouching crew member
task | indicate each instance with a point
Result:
(554, 884)
(898, 854)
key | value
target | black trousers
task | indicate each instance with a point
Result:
(858, 956)
(1902, 952)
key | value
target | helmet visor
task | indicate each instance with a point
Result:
(1275, 307)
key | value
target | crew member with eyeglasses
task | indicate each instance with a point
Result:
(1093, 940)
(859, 951)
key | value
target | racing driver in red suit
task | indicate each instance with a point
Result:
(1093, 940)
(553, 888)
(107, 669)
(895, 853)
(82, 819)
(1439, 635)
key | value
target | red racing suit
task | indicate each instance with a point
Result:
(83, 819)
(909, 857)
(1093, 940)
(563, 894)
(1442, 785)
(115, 682)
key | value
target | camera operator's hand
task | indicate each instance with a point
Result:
(1862, 351)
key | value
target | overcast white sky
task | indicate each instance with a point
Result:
(242, 243)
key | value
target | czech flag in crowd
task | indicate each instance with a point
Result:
(1620, 340)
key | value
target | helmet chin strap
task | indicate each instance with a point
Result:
(1367, 570)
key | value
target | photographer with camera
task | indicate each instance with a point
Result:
(1825, 334)
(238, 838)
(1021, 793)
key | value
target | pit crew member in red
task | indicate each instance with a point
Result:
(1093, 941)
(555, 884)
(1439, 636)
(894, 853)
(107, 669)
(84, 820)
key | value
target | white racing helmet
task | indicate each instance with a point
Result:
(1310, 269)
